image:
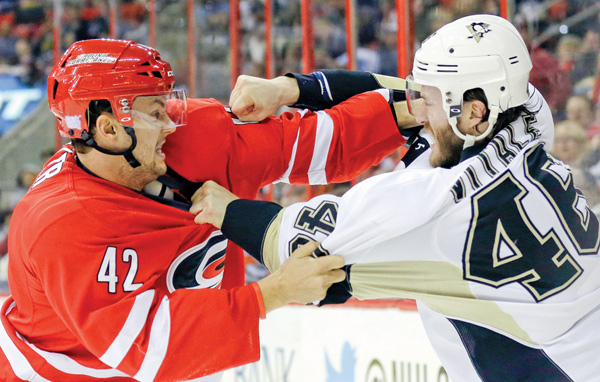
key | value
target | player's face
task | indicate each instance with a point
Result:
(152, 125)
(429, 111)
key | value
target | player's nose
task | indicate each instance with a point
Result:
(168, 130)
(421, 118)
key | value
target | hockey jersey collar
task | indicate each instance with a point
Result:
(471, 151)
(169, 202)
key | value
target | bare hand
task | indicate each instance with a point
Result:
(210, 204)
(301, 278)
(254, 99)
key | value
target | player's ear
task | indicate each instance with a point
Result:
(107, 131)
(475, 123)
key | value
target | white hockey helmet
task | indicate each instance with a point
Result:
(479, 51)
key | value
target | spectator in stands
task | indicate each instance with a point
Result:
(572, 147)
(133, 25)
(579, 109)
(367, 53)
(388, 54)
(8, 44)
(570, 143)
(568, 51)
(69, 22)
(585, 64)
(553, 83)
(92, 22)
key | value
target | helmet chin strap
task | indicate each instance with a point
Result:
(471, 139)
(127, 153)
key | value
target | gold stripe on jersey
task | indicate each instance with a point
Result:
(436, 283)
(270, 249)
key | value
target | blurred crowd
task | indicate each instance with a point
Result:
(26, 31)
(563, 38)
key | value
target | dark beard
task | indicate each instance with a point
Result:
(451, 156)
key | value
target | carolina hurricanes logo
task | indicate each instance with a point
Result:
(201, 266)
(478, 30)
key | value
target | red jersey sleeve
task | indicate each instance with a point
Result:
(307, 147)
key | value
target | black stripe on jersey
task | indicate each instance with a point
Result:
(499, 358)
(487, 164)
(475, 182)
(458, 190)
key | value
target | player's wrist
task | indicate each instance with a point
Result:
(273, 291)
(287, 90)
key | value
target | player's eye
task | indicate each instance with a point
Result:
(159, 115)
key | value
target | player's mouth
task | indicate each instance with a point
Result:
(159, 151)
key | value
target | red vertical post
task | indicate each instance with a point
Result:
(269, 64)
(410, 33)
(112, 18)
(234, 36)
(350, 16)
(405, 36)
(308, 40)
(191, 46)
(308, 51)
(151, 23)
(350, 34)
(56, 53)
(506, 9)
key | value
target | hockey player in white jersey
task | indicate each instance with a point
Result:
(495, 242)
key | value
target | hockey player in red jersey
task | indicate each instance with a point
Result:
(110, 282)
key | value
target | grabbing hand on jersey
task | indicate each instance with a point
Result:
(254, 99)
(210, 203)
(302, 278)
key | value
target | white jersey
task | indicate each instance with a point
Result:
(501, 251)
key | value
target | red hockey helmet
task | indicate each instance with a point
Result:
(114, 70)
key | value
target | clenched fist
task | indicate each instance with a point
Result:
(210, 203)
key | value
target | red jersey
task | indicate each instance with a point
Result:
(109, 283)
